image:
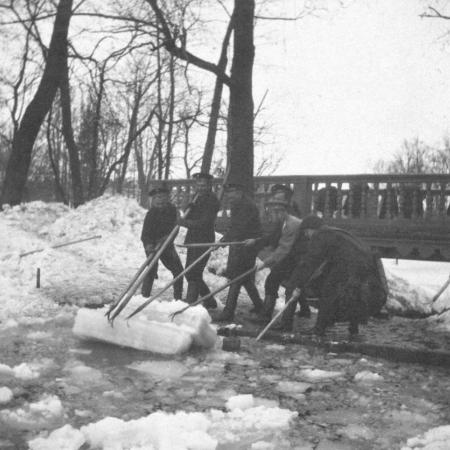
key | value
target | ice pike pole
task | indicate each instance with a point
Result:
(64, 244)
(294, 297)
(161, 292)
(118, 306)
(210, 244)
(221, 288)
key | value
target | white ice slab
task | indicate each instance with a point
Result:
(139, 333)
(152, 329)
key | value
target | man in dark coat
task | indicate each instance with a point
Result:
(244, 224)
(351, 287)
(200, 223)
(159, 221)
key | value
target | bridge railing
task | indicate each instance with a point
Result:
(401, 215)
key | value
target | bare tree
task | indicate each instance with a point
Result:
(24, 138)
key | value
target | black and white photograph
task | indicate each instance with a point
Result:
(225, 225)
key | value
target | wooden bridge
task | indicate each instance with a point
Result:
(401, 216)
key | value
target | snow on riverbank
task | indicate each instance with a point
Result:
(119, 220)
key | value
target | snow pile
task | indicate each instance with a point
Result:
(413, 285)
(181, 430)
(434, 439)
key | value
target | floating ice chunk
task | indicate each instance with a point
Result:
(296, 387)
(25, 372)
(367, 377)
(242, 402)
(6, 395)
(275, 347)
(160, 369)
(42, 414)
(39, 335)
(10, 323)
(316, 375)
(179, 431)
(64, 438)
(6, 370)
(434, 439)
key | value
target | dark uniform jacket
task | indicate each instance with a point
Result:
(244, 224)
(350, 284)
(201, 219)
(158, 222)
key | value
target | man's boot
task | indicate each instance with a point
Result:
(209, 303)
(147, 285)
(287, 319)
(227, 315)
(305, 311)
(254, 297)
(192, 292)
(266, 314)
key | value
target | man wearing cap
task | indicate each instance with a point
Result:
(244, 224)
(200, 224)
(288, 193)
(159, 221)
(351, 286)
(281, 260)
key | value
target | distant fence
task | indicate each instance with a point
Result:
(404, 216)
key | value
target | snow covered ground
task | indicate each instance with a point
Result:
(68, 271)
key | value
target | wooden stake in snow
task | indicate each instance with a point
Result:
(38, 277)
(61, 245)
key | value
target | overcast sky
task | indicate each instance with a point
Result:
(346, 89)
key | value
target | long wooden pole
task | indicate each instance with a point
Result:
(220, 288)
(61, 245)
(158, 294)
(294, 298)
(441, 290)
(210, 244)
(113, 314)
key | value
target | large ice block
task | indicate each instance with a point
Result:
(139, 333)
(151, 329)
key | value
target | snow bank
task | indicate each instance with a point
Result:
(177, 431)
(413, 284)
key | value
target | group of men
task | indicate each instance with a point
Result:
(304, 255)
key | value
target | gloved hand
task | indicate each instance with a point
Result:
(260, 264)
(249, 242)
(296, 292)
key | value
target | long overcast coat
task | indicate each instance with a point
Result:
(350, 288)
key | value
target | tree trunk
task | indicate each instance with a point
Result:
(215, 105)
(241, 98)
(23, 141)
(72, 149)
